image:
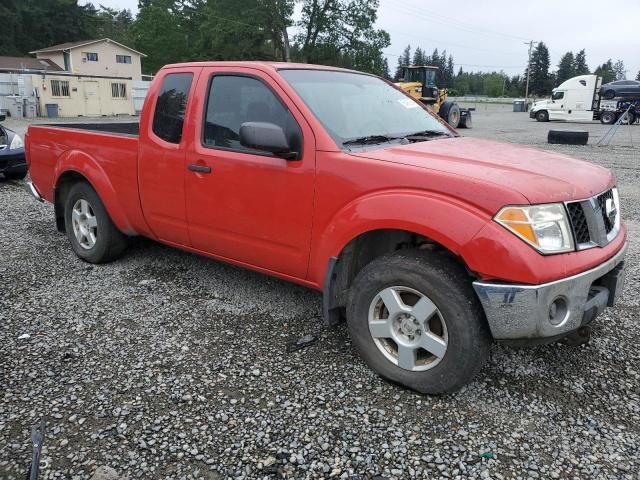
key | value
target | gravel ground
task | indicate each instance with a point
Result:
(168, 365)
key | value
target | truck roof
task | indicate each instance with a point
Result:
(271, 66)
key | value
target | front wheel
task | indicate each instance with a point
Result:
(542, 116)
(93, 236)
(415, 319)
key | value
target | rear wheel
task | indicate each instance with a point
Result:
(542, 116)
(608, 118)
(415, 320)
(92, 234)
(630, 119)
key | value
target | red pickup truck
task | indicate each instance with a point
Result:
(430, 244)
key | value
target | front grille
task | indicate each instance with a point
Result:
(579, 222)
(592, 224)
(609, 224)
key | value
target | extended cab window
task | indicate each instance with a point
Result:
(234, 100)
(168, 118)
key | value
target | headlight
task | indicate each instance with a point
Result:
(16, 142)
(544, 227)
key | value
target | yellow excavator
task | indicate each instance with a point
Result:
(419, 81)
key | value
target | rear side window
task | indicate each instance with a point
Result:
(234, 100)
(168, 118)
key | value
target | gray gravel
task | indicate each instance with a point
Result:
(168, 365)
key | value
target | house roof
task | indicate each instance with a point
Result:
(71, 45)
(28, 63)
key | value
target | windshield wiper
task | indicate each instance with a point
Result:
(428, 133)
(370, 139)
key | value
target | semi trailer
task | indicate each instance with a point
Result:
(578, 99)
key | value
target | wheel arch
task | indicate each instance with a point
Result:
(73, 167)
(341, 257)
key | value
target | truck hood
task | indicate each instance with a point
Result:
(539, 175)
(540, 103)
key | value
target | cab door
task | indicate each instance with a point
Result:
(246, 205)
(161, 155)
(557, 109)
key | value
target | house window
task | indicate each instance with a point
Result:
(119, 90)
(60, 88)
(92, 57)
(123, 58)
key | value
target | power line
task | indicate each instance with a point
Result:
(450, 21)
(419, 37)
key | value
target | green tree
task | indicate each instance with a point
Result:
(32, 24)
(114, 24)
(638, 76)
(398, 73)
(580, 66)
(342, 33)
(418, 57)
(566, 68)
(606, 72)
(620, 71)
(158, 32)
(494, 84)
(540, 80)
(449, 72)
(404, 59)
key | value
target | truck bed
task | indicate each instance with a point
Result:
(108, 149)
(118, 128)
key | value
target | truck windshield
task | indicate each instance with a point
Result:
(355, 107)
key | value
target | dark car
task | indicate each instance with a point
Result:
(621, 88)
(12, 160)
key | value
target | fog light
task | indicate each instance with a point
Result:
(558, 311)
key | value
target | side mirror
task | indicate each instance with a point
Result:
(2, 118)
(268, 137)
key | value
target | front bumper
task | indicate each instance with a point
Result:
(532, 113)
(553, 309)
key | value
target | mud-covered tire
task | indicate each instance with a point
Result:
(109, 243)
(446, 284)
(568, 137)
(542, 116)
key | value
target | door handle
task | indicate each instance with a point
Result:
(199, 168)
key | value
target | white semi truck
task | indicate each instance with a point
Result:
(578, 100)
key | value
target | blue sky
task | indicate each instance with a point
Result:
(490, 35)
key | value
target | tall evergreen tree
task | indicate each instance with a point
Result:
(580, 66)
(540, 80)
(606, 72)
(418, 56)
(620, 71)
(398, 74)
(450, 72)
(566, 68)
(406, 55)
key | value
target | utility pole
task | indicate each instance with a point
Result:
(526, 93)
